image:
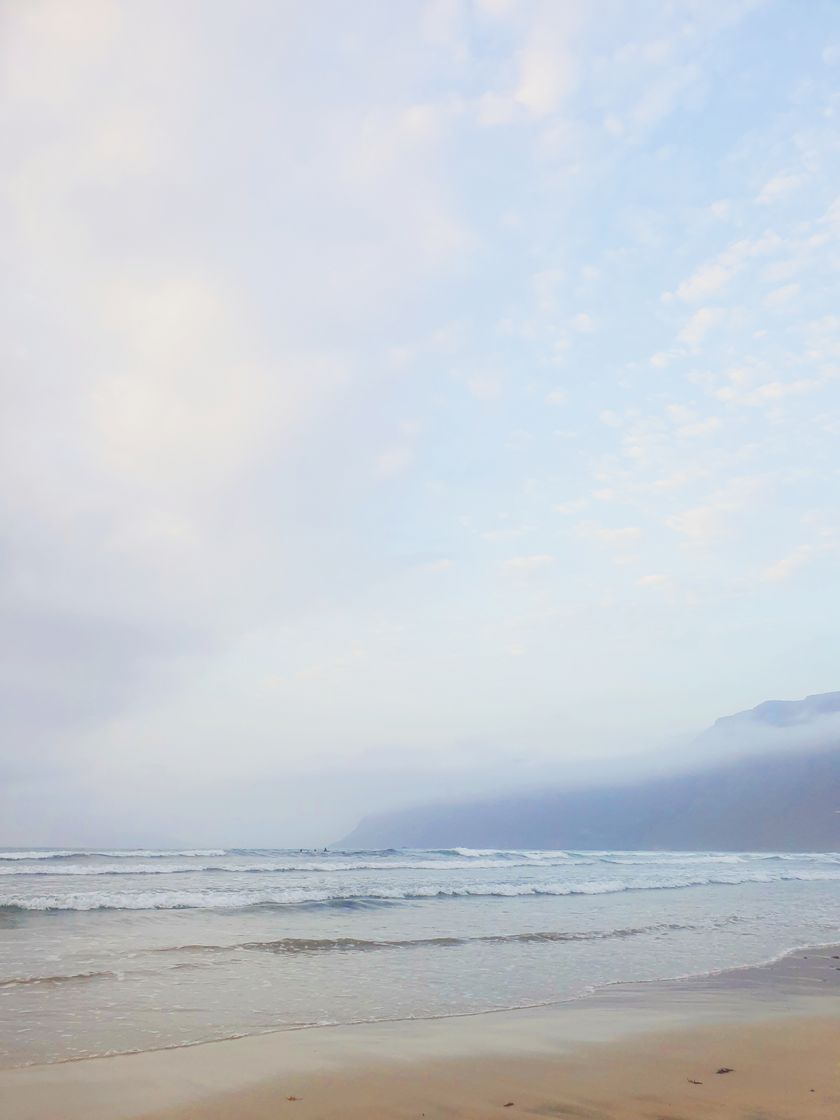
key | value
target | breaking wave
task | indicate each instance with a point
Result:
(113, 853)
(265, 868)
(363, 945)
(220, 899)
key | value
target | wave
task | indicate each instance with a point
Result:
(313, 945)
(37, 855)
(662, 860)
(413, 856)
(114, 853)
(295, 896)
(529, 854)
(60, 978)
(73, 869)
(355, 944)
(265, 868)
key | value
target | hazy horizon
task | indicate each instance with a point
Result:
(405, 401)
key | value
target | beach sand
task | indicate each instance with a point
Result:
(648, 1051)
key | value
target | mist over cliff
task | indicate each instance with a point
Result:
(765, 779)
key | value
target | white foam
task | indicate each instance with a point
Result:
(65, 869)
(55, 854)
(236, 899)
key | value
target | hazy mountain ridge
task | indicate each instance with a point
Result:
(783, 713)
(780, 800)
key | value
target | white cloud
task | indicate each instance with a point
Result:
(778, 188)
(505, 534)
(546, 68)
(703, 523)
(661, 359)
(700, 323)
(442, 565)
(231, 286)
(399, 456)
(529, 563)
(56, 47)
(789, 565)
(779, 297)
(441, 24)
(612, 537)
(546, 76)
(497, 9)
(700, 428)
(712, 277)
(570, 507)
(583, 323)
(652, 580)
(495, 109)
(700, 523)
(707, 280)
(770, 392)
(485, 387)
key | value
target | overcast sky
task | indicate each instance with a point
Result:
(405, 399)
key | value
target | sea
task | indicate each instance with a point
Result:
(114, 951)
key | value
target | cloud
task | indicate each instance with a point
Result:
(712, 277)
(570, 507)
(768, 393)
(703, 523)
(529, 563)
(612, 537)
(652, 580)
(700, 323)
(700, 523)
(778, 188)
(556, 397)
(546, 76)
(584, 323)
(441, 565)
(548, 67)
(281, 391)
(485, 387)
(399, 456)
(781, 296)
(789, 565)
(661, 359)
(700, 428)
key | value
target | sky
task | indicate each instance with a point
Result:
(405, 400)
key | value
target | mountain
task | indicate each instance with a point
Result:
(786, 798)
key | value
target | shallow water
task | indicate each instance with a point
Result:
(114, 951)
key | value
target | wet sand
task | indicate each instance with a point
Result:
(639, 1050)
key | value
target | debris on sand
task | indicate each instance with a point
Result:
(725, 1069)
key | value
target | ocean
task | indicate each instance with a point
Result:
(112, 951)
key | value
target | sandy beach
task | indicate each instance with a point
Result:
(639, 1050)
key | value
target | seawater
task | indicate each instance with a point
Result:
(110, 951)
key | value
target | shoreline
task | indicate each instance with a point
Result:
(592, 993)
(244, 1077)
